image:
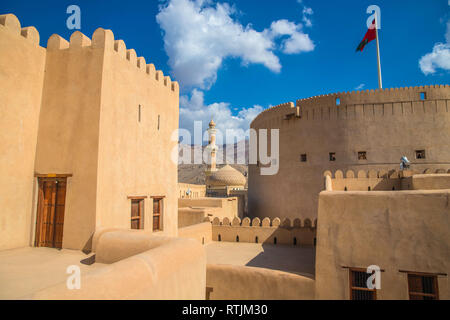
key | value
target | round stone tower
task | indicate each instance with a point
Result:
(365, 130)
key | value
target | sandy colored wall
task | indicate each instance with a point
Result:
(69, 128)
(396, 230)
(387, 124)
(188, 216)
(388, 181)
(196, 191)
(135, 156)
(201, 232)
(427, 182)
(230, 282)
(215, 207)
(266, 231)
(166, 268)
(22, 63)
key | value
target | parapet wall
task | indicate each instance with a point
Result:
(267, 231)
(139, 266)
(201, 232)
(229, 282)
(104, 38)
(191, 191)
(361, 104)
(22, 68)
(384, 180)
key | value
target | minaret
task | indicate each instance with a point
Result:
(212, 148)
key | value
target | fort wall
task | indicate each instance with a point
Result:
(136, 267)
(139, 113)
(191, 191)
(22, 65)
(99, 115)
(229, 282)
(201, 232)
(388, 180)
(67, 141)
(383, 125)
(400, 232)
(275, 231)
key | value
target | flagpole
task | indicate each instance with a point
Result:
(380, 81)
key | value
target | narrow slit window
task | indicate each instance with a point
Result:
(137, 214)
(338, 101)
(358, 286)
(420, 154)
(332, 156)
(159, 120)
(422, 287)
(362, 155)
(157, 214)
(139, 113)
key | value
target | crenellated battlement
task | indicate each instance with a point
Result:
(103, 38)
(12, 24)
(264, 223)
(268, 231)
(382, 174)
(364, 104)
(373, 180)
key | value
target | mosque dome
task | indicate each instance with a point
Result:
(226, 176)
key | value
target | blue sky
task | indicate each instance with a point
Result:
(234, 58)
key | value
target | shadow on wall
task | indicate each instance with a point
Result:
(266, 232)
(298, 260)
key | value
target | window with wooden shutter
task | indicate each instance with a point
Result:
(358, 286)
(422, 287)
(137, 213)
(157, 213)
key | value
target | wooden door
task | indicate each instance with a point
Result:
(50, 212)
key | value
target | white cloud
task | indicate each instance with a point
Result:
(362, 85)
(199, 35)
(439, 58)
(297, 41)
(193, 109)
(307, 12)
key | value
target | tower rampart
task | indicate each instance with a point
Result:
(364, 130)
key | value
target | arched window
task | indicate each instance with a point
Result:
(295, 241)
(275, 240)
(219, 238)
(256, 239)
(369, 189)
(237, 238)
